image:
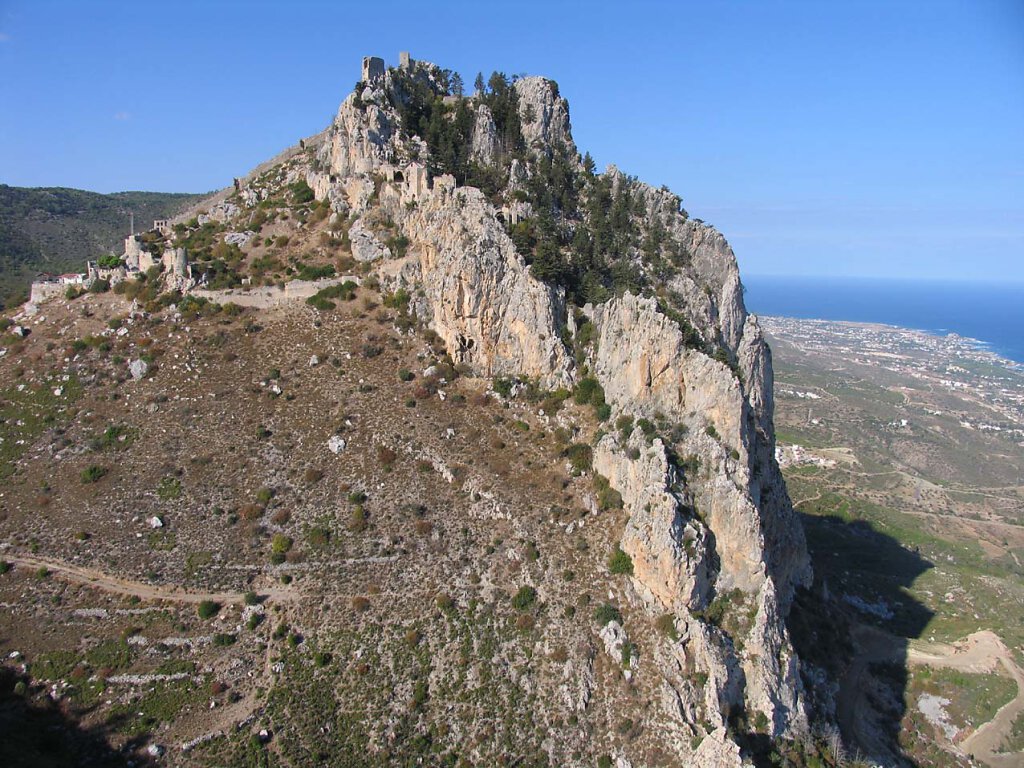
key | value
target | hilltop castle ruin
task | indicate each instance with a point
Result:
(135, 262)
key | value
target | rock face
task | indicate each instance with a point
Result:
(479, 294)
(709, 518)
(544, 115)
(485, 136)
(667, 548)
(366, 246)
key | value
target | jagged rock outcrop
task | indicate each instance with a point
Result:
(645, 368)
(366, 246)
(642, 360)
(485, 136)
(668, 549)
(544, 115)
(479, 294)
(361, 136)
(724, 525)
(717, 751)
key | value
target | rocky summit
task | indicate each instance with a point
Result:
(424, 443)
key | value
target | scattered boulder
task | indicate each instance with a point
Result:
(336, 444)
(241, 239)
(138, 368)
(365, 245)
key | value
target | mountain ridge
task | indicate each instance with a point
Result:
(587, 305)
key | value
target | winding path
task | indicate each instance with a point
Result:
(91, 577)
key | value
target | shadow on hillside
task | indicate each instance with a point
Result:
(855, 623)
(41, 735)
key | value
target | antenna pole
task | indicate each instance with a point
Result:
(131, 217)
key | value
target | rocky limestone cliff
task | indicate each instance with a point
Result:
(709, 519)
(478, 293)
(544, 115)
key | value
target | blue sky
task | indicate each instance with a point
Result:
(842, 138)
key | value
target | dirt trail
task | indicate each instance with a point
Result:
(99, 580)
(978, 653)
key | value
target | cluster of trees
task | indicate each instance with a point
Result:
(584, 230)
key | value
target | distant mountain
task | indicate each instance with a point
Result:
(55, 229)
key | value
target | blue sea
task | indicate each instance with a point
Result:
(989, 312)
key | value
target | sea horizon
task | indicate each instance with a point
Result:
(989, 313)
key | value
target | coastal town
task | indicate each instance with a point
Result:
(984, 391)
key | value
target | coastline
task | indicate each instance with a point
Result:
(987, 314)
(974, 348)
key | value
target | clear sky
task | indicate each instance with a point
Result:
(845, 138)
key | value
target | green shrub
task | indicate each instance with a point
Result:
(588, 391)
(624, 424)
(647, 427)
(251, 598)
(114, 436)
(607, 613)
(607, 497)
(169, 489)
(93, 473)
(399, 300)
(301, 192)
(761, 722)
(580, 456)
(620, 563)
(322, 658)
(280, 544)
(318, 537)
(359, 520)
(321, 300)
(222, 639)
(552, 402)
(503, 386)
(309, 273)
(524, 599)
(207, 609)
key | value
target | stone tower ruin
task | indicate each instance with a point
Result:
(373, 68)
